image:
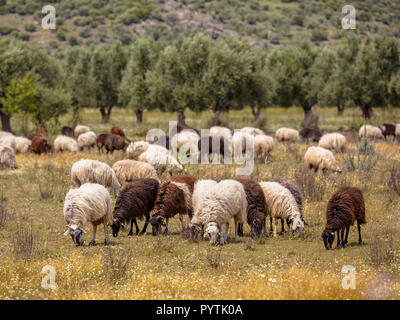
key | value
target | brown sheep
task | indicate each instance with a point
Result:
(388, 129)
(255, 207)
(117, 131)
(174, 196)
(297, 195)
(32, 135)
(41, 145)
(115, 142)
(310, 134)
(101, 140)
(135, 201)
(345, 207)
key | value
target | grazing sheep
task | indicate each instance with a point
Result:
(90, 202)
(87, 170)
(174, 196)
(41, 145)
(101, 140)
(67, 131)
(128, 170)
(320, 158)
(388, 129)
(138, 147)
(345, 207)
(5, 133)
(371, 131)
(287, 134)
(32, 135)
(225, 201)
(162, 162)
(253, 131)
(333, 141)
(239, 142)
(118, 131)
(217, 131)
(312, 134)
(79, 129)
(8, 141)
(255, 207)
(263, 145)
(64, 143)
(115, 142)
(22, 144)
(7, 158)
(297, 195)
(87, 139)
(136, 200)
(188, 138)
(282, 205)
(200, 190)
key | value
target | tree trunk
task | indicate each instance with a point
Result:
(181, 118)
(366, 111)
(105, 114)
(340, 109)
(310, 117)
(255, 111)
(5, 121)
(139, 116)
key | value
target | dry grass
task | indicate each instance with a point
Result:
(174, 266)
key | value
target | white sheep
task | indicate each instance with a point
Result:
(79, 129)
(263, 145)
(280, 204)
(90, 202)
(397, 130)
(64, 143)
(186, 137)
(94, 171)
(138, 147)
(320, 158)
(217, 131)
(225, 201)
(372, 132)
(7, 157)
(287, 134)
(239, 142)
(160, 161)
(87, 139)
(253, 131)
(127, 170)
(8, 141)
(5, 133)
(333, 141)
(22, 144)
(201, 189)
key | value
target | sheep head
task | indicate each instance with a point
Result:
(298, 226)
(156, 222)
(328, 236)
(212, 232)
(257, 224)
(76, 233)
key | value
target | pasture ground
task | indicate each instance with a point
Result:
(173, 267)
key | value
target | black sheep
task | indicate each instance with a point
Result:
(135, 201)
(388, 129)
(344, 208)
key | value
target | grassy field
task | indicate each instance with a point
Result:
(173, 267)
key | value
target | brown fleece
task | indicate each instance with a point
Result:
(310, 134)
(118, 131)
(41, 145)
(115, 142)
(101, 140)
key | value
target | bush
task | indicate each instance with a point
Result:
(61, 36)
(73, 41)
(25, 37)
(30, 27)
(318, 35)
(85, 33)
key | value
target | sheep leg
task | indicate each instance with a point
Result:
(182, 223)
(93, 241)
(275, 226)
(347, 234)
(283, 227)
(226, 232)
(240, 229)
(105, 234)
(270, 221)
(237, 226)
(338, 239)
(166, 227)
(136, 226)
(359, 233)
(131, 230)
(145, 224)
(342, 238)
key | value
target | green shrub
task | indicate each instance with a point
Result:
(61, 36)
(25, 37)
(30, 27)
(318, 35)
(85, 33)
(73, 41)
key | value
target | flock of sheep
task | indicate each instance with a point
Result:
(210, 205)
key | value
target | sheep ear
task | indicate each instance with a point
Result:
(66, 233)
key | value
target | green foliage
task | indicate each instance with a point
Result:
(30, 27)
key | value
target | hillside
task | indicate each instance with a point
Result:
(264, 23)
